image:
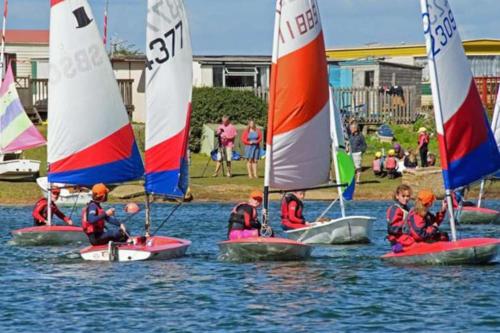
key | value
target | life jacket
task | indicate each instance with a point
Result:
(396, 228)
(285, 204)
(421, 228)
(391, 163)
(377, 165)
(91, 228)
(237, 217)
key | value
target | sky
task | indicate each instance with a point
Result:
(245, 27)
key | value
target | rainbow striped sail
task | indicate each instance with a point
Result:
(90, 138)
(17, 132)
(298, 139)
(169, 75)
(343, 161)
(467, 145)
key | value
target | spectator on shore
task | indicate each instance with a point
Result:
(399, 152)
(431, 159)
(391, 165)
(410, 161)
(252, 138)
(357, 147)
(423, 143)
(378, 165)
(226, 134)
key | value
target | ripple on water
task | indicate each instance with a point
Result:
(341, 288)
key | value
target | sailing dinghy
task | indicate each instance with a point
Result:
(478, 214)
(168, 107)
(467, 145)
(346, 229)
(298, 140)
(17, 133)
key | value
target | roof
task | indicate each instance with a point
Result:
(233, 60)
(372, 61)
(472, 47)
(37, 37)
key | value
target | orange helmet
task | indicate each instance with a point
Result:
(257, 195)
(426, 197)
(99, 190)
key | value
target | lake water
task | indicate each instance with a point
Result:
(341, 288)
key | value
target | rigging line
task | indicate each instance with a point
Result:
(74, 206)
(166, 219)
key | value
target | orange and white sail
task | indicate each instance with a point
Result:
(298, 138)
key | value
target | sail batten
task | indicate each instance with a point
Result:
(467, 147)
(17, 132)
(298, 140)
(168, 99)
(90, 138)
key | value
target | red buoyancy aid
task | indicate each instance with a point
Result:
(377, 165)
(397, 225)
(285, 209)
(421, 228)
(391, 163)
(90, 228)
(237, 217)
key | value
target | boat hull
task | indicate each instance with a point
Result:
(345, 230)
(19, 170)
(49, 235)
(154, 248)
(262, 248)
(67, 196)
(478, 215)
(461, 252)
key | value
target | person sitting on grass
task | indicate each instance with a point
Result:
(292, 211)
(244, 221)
(378, 165)
(410, 161)
(423, 226)
(391, 165)
(40, 211)
(94, 219)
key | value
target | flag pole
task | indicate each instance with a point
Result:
(105, 37)
(4, 23)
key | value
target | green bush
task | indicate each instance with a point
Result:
(210, 104)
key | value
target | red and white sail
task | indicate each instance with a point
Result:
(90, 139)
(467, 146)
(298, 139)
(169, 77)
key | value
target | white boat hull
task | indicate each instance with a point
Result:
(19, 170)
(344, 230)
(67, 197)
(155, 248)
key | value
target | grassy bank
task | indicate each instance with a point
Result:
(207, 188)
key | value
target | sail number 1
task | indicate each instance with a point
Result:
(165, 46)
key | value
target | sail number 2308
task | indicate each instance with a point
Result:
(164, 46)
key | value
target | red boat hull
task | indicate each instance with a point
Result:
(478, 215)
(153, 248)
(49, 235)
(464, 251)
(262, 248)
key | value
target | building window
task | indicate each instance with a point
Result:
(217, 76)
(369, 78)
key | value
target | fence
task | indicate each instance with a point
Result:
(488, 88)
(374, 106)
(34, 95)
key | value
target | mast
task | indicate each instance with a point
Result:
(49, 200)
(105, 26)
(437, 105)
(4, 24)
(147, 224)
(270, 120)
(334, 153)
